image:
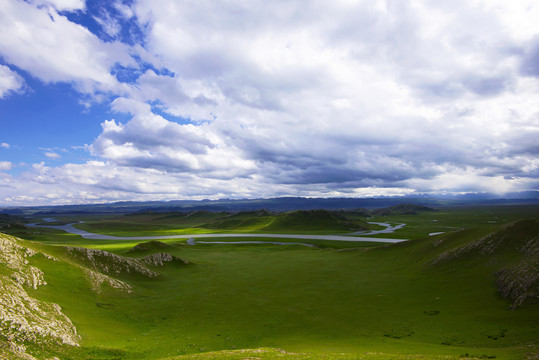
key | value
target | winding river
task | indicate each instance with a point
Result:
(70, 228)
(388, 230)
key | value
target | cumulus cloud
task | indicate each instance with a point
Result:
(105, 181)
(46, 44)
(389, 92)
(150, 141)
(5, 165)
(10, 81)
(260, 98)
(5, 145)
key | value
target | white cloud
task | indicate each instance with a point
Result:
(62, 5)
(150, 141)
(110, 25)
(381, 94)
(469, 180)
(123, 9)
(52, 155)
(105, 181)
(10, 81)
(5, 145)
(20, 200)
(320, 98)
(47, 45)
(5, 165)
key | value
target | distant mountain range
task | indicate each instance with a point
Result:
(279, 204)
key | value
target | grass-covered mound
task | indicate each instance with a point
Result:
(402, 209)
(7, 220)
(259, 221)
(241, 221)
(312, 221)
(154, 255)
(109, 263)
(148, 246)
(161, 259)
(12, 224)
(198, 215)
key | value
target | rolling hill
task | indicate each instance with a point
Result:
(467, 294)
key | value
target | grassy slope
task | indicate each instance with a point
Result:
(389, 300)
(418, 226)
(449, 219)
(311, 222)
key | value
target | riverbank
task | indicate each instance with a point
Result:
(70, 228)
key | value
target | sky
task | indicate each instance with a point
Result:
(113, 100)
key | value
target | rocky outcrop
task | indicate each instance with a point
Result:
(24, 319)
(486, 245)
(13, 351)
(102, 263)
(520, 282)
(513, 252)
(97, 280)
(109, 263)
(159, 259)
(14, 256)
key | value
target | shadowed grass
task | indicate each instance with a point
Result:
(390, 302)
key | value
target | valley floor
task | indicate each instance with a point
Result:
(464, 294)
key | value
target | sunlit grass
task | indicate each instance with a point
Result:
(372, 302)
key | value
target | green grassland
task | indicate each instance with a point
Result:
(149, 223)
(447, 219)
(418, 225)
(433, 297)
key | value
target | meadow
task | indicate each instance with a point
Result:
(432, 297)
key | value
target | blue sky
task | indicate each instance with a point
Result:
(169, 99)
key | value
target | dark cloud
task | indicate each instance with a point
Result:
(530, 60)
(523, 143)
(487, 86)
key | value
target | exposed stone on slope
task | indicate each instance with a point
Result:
(531, 249)
(437, 242)
(159, 259)
(520, 283)
(485, 246)
(108, 263)
(515, 248)
(24, 319)
(12, 351)
(14, 257)
(98, 279)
